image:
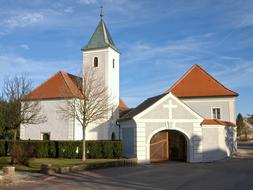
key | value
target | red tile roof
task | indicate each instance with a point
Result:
(217, 122)
(196, 82)
(61, 85)
(122, 105)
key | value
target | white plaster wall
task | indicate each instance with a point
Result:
(62, 128)
(110, 77)
(128, 136)
(203, 106)
(218, 142)
(162, 112)
(78, 131)
(204, 143)
(59, 127)
(159, 118)
(229, 143)
(211, 145)
(101, 131)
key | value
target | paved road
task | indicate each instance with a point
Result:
(236, 173)
(245, 144)
(230, 174)
(245, 149)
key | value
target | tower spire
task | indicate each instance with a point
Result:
(101, 11)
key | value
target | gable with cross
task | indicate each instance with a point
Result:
(170, 107)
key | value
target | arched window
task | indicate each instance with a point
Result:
(113, 63)
(113, 137)
(45, 136)
(95, 63)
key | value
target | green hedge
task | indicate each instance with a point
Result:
(2, 148)
(68, 149)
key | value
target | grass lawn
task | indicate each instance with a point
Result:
(56, 162)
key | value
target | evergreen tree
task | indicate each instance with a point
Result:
(240, 124)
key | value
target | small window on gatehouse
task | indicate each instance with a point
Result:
(216, 113)
(113, 63)
(95, 63)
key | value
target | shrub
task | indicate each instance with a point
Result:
(94, 149)
(107, 149)
(69, 149)
(8, 146)
(2, 148)
(53, 146)
(22, 152)
(41, 149)
(117, 149)
(66, 149)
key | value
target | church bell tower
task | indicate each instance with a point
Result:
(101, 55)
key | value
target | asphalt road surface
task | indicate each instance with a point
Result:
(235, 173)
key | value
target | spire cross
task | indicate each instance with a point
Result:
(101, 12)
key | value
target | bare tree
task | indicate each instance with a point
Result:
(92, 106)
(18, 109)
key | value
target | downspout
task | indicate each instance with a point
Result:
(118, 124)
(74, 123)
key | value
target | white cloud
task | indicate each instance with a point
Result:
(87, 2)
(38, 70)
(23, 19)
(170, 51)
(172, 59)
(24, 46)
(69, 10)
(235, 73)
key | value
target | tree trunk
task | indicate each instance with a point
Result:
(15, 135)
(14, 139)
(84, 146)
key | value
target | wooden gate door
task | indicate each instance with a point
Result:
(177, 149)
(159, 147)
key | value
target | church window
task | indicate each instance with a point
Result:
(95, 63)
(45, 136)
(216, 113)
(113, 63)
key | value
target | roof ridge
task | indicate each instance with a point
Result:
(63, 74)
(68, 80)
(216, 80)
(182, 77)
(101, 38)
(105, 33)
(204, 72)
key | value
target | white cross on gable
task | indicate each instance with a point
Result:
(170, 106)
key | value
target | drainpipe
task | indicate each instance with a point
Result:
(118, 124)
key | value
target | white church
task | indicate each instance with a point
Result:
(193, 121)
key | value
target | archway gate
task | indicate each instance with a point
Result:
(168, 145)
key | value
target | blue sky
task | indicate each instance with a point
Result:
(159, 40)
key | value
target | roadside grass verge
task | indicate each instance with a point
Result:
(35, 164)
